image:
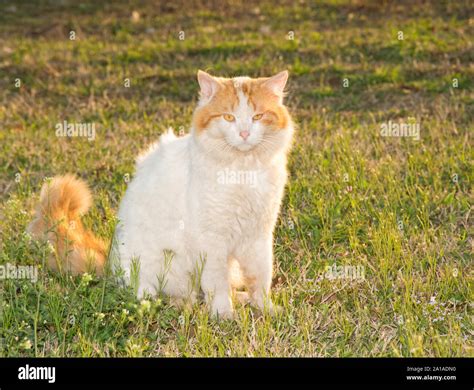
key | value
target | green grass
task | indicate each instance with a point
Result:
(398, 207)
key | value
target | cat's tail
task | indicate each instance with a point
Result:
(63, 200)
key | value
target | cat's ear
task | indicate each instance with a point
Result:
(208, 85)
(277, 83)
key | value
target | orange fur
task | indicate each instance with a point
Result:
(58, 219)
(224, 100)
(262, 99)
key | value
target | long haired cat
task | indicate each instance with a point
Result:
(200, 212)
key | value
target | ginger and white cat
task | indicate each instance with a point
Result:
(200, 206)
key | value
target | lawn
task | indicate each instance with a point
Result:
(395, 209)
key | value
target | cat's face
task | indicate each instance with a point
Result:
(242, 114)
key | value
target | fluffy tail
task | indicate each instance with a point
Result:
(58, 219)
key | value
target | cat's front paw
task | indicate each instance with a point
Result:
(222, 308)
(275, 310)
(265, 305)
(223, 315)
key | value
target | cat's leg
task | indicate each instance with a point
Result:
(215, 282)
(140, 281)
(144, 289)
(177, 280)
(256, 261)
(146, 282)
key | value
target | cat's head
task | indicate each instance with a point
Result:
(242, 115)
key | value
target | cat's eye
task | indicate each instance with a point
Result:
(229, 117)
(257, 117)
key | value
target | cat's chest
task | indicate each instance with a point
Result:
(244, 192)
(244, 180)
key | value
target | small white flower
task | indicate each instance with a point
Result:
(26, 344)
(51, 248)
(400, 320)
(145, 305)
(86, 278)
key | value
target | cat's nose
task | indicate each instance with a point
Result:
(244, 134)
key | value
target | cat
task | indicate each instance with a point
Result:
(199, 214)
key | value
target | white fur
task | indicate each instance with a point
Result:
(175, 202)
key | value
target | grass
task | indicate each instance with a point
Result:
(399, 208)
